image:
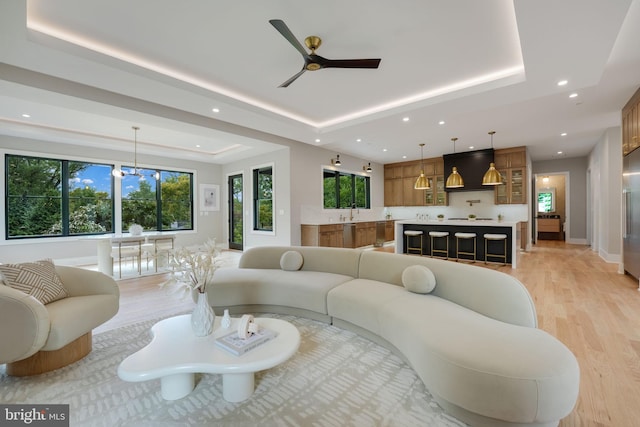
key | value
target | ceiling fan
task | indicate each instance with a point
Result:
(313, 62)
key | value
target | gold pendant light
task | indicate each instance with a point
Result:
(492, 176)
(422, 183)
(455, 179)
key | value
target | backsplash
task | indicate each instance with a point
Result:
(459, 207)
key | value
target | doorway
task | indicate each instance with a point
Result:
(550, 206)
(236, 210)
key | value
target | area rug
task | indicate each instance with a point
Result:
(336, 379)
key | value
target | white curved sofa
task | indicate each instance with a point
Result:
(473, 340)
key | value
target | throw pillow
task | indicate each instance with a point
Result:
(418, 279)
(38, 279)
(291, 261)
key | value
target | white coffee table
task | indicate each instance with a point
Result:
(175, 354)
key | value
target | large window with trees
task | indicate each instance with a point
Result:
(53, 197)
(48, 197)
(263, 199)
(162, 203)
(344, 190)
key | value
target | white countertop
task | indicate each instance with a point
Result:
(475, 223)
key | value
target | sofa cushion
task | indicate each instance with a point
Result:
(306, 290)
(291, 261)
(358, 302)
(418, 279)
(38, 279)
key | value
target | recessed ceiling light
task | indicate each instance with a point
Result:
(559, 152)
(317, 139)
(385, 150)
(563, 134)
(359, 140)
(573, 95)
(215, 110)
(441, 122)
(26, 116)
(404, 157)
(197, 145)
(405, 119)
(563, 82)
(471, 147)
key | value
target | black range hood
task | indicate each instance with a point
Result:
(472, 165)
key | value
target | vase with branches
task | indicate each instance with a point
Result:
(192, 271)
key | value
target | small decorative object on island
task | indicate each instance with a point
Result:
(500, 217)
(226, 319)
(192, 271)
(472, 217)
(135, 229)
(440, 217)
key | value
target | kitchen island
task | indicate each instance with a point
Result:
(480, 227)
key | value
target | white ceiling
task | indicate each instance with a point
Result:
(87, 70)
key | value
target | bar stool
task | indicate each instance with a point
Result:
(439, 235)
(496, 237)
(413, 233)
(465, 236)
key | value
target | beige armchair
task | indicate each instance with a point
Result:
(37, 338)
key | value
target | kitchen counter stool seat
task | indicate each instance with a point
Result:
(466, 236)
(434, 236)
(496, 237)
(411, 235)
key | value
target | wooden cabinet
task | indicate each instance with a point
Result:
(365, 233)
(399, 179)
(547, 226)
(393, 192)
(329, 235)
(511, 163)
(510, 158)
(631, 124)
(389, 231)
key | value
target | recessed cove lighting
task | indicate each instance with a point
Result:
(215, 110)
(405, 119)
(573, 95)
(26, 116)
(563, 82)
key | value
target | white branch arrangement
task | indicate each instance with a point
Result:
(192, 270)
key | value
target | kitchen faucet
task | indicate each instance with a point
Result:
(353, 205)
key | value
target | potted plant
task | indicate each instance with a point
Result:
(500, 217)
(472, 217)
(440, 217)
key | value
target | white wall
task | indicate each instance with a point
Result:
(281, 235)
(80, 250)
(605, 170)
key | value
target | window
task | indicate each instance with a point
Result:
(159, 204)
(546, 200)
(343, 190)
(52, 197)
(263, 199)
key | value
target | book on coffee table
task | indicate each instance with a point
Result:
(239, 346)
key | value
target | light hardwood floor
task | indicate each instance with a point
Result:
(580, 299)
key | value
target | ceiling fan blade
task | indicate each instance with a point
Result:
(351, 63)
(293, 78)
(287, 34)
